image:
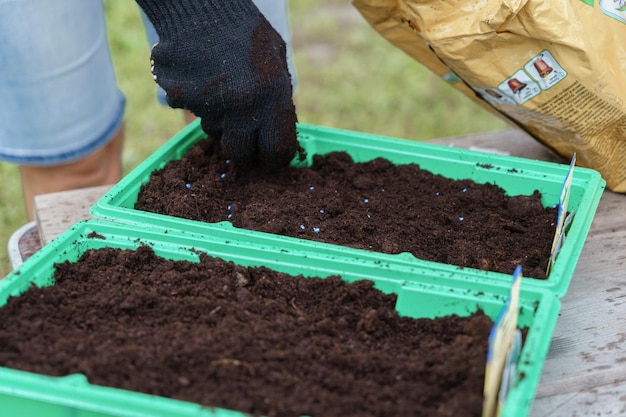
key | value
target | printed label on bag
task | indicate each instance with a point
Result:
(545, 69)
(494, 96)
(504, 348)
(520, 87)
(614, 8)
(563, 219)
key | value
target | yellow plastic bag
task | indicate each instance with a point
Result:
(555, 68)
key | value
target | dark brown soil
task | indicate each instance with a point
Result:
(248, 339)
(375, 206)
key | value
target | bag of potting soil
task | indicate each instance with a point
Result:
(556, 69)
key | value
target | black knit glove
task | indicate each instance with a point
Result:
(223, 61)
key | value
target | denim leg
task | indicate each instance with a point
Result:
(60, 99)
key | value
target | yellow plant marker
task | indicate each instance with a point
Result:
(562, 220)
(505, 342)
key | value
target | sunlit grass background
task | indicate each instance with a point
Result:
(348, 77)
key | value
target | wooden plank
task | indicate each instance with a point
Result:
(56, 212)
(611, 213)
(513, 142)
(601, 401)
(588, 348)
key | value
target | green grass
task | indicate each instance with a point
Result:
(348, 77)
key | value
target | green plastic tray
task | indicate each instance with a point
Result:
(25, 393)
(515, 175)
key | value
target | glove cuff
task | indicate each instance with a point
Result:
(171, 17)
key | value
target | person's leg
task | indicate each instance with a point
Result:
(61, 112)
(102, 167)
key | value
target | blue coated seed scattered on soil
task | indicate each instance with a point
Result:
(302, 227)
(316, 229)
(188, 185)
(223, 176)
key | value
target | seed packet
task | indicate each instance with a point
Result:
(504, 348)
(564, 218)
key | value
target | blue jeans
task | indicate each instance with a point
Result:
(59, 98)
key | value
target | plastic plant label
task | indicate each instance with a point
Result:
(563, 220)
(505, 344)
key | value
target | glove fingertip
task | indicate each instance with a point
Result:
(278, 145)
(174, 95)
(239, 144)
(210, 127)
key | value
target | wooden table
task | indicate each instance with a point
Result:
(585, 370)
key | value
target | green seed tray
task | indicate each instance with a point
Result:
(517, 176)
(25, 393)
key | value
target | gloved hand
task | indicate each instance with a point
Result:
(223, 61)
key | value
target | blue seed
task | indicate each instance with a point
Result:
(230, 215)
(437, 193)
(311, 188)
(302, 227)
(228, 207)
(227, 161)
(461, 218)
(464, 190)
(322, 211)
(369, 216)
(316, 229)
(366, 200)
(223, 175)
(188, 185)
(382, 190)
